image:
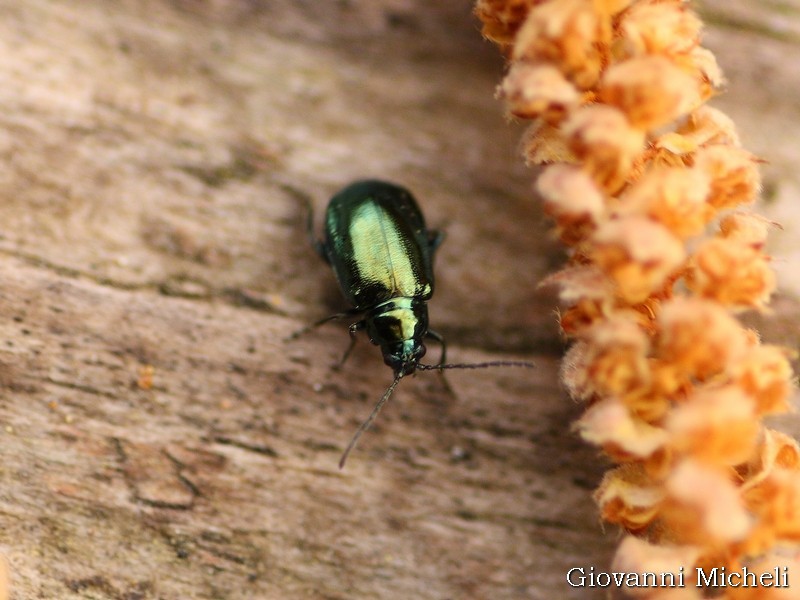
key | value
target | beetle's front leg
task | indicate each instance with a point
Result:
(307, 328)
(353, 330)
(439, 338)
(442, 358)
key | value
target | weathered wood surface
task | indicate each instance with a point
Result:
(159, 439)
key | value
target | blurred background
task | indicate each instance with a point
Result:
(160, 440)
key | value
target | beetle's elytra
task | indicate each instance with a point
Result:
(382, 256)
(382, 253)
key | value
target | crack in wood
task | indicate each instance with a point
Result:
(81, 387)
(170, 287)
(262, 449)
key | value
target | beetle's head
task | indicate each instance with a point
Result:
(403, 357)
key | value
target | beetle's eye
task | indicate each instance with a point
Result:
(393, 360)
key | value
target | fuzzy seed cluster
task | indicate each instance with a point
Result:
(647, 186)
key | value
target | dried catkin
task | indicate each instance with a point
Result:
(646, 186)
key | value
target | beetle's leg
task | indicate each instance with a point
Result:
(439, 338)
(318, 245)
(435, 239)
(435, 335)
(316, 324)
(354, 327)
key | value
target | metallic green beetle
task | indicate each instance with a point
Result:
(382, 256)
(381, 252)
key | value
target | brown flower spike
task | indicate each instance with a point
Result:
(646, 186)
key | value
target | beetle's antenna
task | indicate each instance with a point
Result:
(366, 424)
(483, 365)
